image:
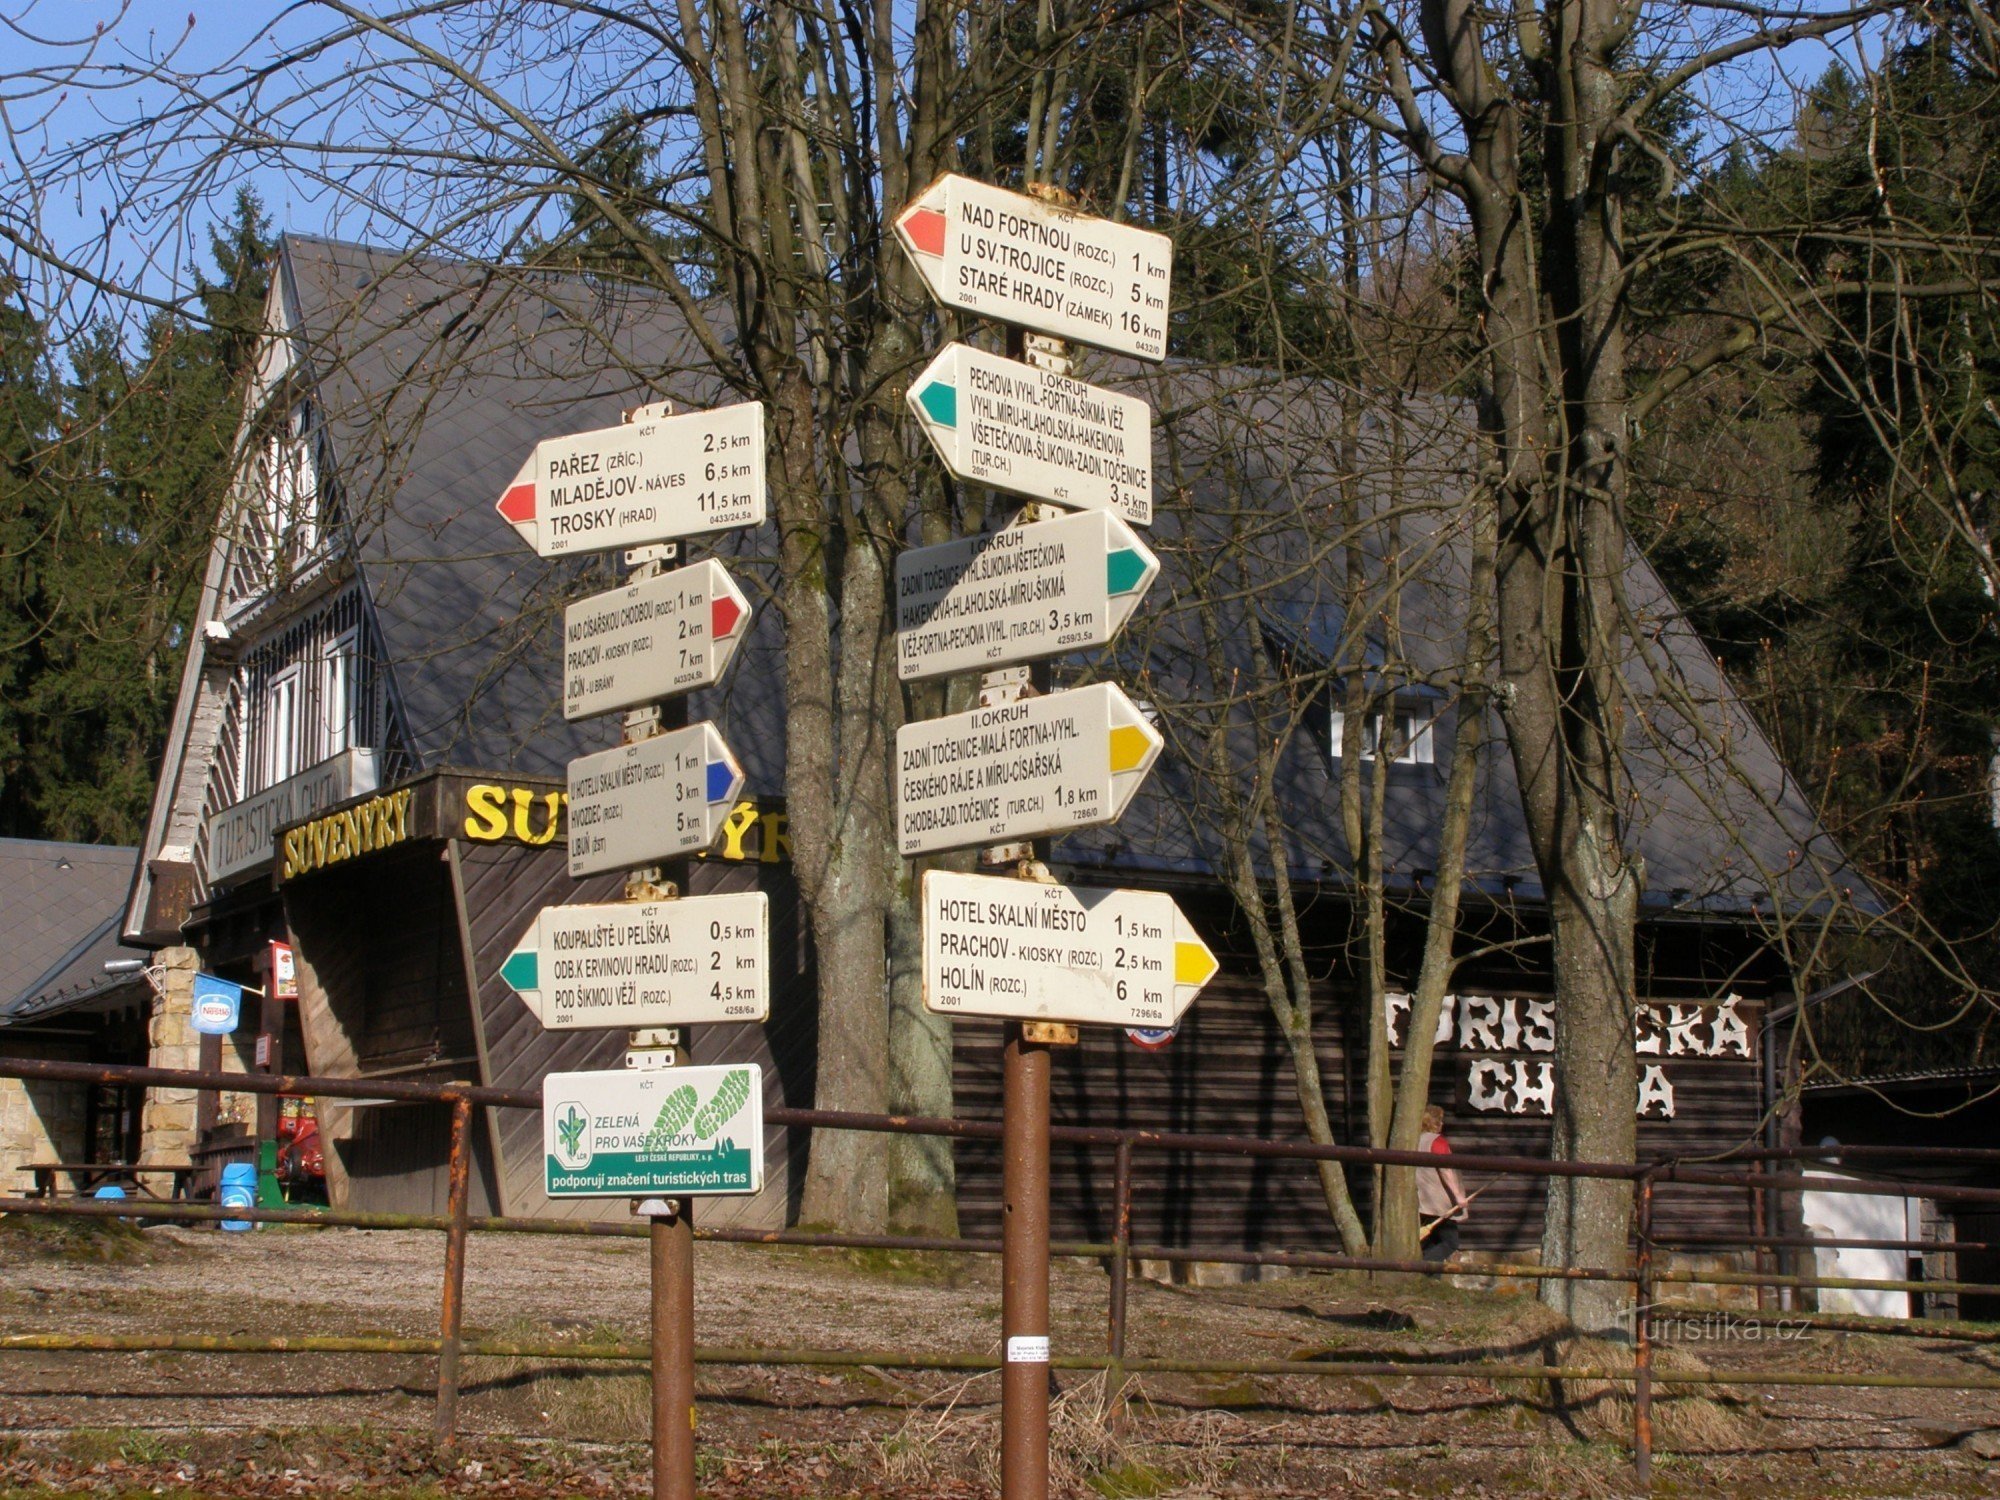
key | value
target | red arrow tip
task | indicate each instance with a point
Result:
(726, 612)
(925, 227)
(518, 504)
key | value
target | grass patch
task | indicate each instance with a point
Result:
(132, 1445)
(591, 1400)
(60, 1237)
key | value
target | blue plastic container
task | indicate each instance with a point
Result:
(239, 1190)
(109, 1190)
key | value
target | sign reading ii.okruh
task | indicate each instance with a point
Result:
(1019, 770)
(677, 1131)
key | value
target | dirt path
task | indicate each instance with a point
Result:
(101, 1420)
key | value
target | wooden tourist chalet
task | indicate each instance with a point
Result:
(367, 757)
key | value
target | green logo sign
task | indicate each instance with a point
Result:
(675, 1132)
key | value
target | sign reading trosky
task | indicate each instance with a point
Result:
(677, 1132)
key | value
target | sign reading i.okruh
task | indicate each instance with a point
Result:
(632, 1133)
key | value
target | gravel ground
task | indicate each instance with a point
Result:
(790, 1430)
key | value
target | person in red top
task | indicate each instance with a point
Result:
(1441, 1201)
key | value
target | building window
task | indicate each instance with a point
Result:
(337, 685)
(290, 491)
(279, 728)
(1412, 736)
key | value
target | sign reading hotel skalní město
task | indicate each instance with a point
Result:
(650, 800)
(1004, 255)
(674, 1131)
(1020, 770)
(1038, 434)
(648, 963)
(653, 639)
(987, 601)
(1034, 952)
(653, 480)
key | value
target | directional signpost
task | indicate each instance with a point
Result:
(1014, 948)
(984, 250)
(680, 1130)
(664, 792)
(1019, 770)
(646, 963)
(1042, 956)
(1017, 595)
(1033, 432)
(652, 639)
(653, 480)
(650, 800)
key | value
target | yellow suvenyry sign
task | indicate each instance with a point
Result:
(375, 824)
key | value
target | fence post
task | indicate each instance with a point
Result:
(1121, 1266)
(1642, 1333)
(451, 1308)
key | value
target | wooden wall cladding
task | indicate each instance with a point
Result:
(1229, 1071)
(382, 994)
(501, 888)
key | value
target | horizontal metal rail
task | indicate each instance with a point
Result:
(899, 1359)
(450, 1347)
(310, 1086)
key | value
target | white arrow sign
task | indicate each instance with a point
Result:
(650, 800)
(1016, 595)
(646, 963)
(997, 947)
(1017, 770)
(648, 481)
(674, 1132)
(653, 639)
(1003, 255)
(1036, 433)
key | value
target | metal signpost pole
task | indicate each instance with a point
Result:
(672, 1244)
(670, 1233)
(1024, 1171)
(1029, 763)
(645, 807)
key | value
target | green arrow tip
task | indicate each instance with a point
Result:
(522, 971)
(1124, 569)
(940, 401)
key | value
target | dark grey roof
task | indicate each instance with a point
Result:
(59, 926)
(435, 379)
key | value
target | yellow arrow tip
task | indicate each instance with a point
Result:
(1193, 963)
(1130, 745)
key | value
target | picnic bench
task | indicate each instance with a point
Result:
(88, 1176)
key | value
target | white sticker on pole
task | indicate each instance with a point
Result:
(1028, 1349)
(654, 639)
(651, 800)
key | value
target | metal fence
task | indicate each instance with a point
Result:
(1757, 1172)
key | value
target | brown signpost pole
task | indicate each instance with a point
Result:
(672, 1243)
(1024, 1267)
(1134, 321)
